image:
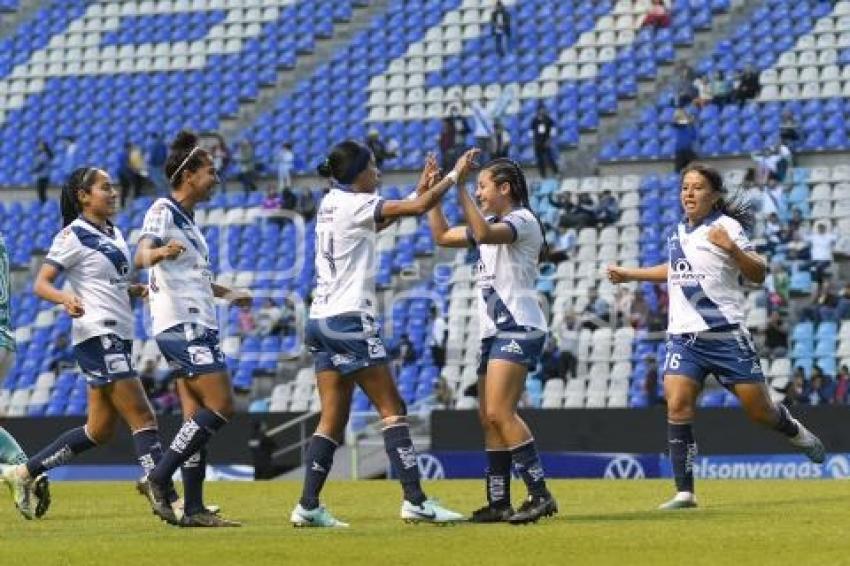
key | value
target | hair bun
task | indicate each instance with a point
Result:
(184, 141)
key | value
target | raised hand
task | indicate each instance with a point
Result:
(430, 174)
(466, 162)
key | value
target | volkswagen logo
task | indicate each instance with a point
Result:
(430, 467)
(624, 468)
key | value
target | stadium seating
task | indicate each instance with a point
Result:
(801, 50)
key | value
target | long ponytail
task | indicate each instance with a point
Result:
(82, 179)
(504, 170)
(735, 205)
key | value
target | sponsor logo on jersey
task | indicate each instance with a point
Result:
(512, 348)
(376, 347)
(116, 363)
(342, 359)
(200, 355)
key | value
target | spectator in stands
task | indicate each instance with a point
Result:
(543, 132)
(269, 318)
(597, 312)
(62, 357)
(404, 354)
(776, 336)
(443, 394)
(41, 169)
(438, 336)
(841, 391)
(650, 382)
(686, 135)
(797, 392)
(563, 244)
(501, 141)
(821, 243)
(500, 23)
(658, 16)
(774, 233)
(579, 215)
(220, 154)
(285, 165)
(824, 302)
(167, 402)
(306, 205)
(482, 128)
(247, 166)
(773, 198)
(820, 390)
(271, 202)
(683, 82)
(379, 149)
(608, 210)
(778, 285)
(704, 93)
(246, 323)
(452, 137)
(748, 86)
(157, 153)
(568, 342)
(550, 361)
(639, 311)
(131, 171)
(288, 202)
(789, 133)
(842, 308)
(720, 88)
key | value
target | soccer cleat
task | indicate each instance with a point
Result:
(490, 514)
(809, 444)
(21, 489)
(41, 492)
(318, 517)
(158, 498)
(429, 512)
(682, 500)
(176, 500)
(533, 508)
(206, 519)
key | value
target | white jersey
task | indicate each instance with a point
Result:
(346, 243)
(703, 281)
(506, 275)
(97, 267)
(180, 288)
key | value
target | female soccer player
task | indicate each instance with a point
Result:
(510, 241)
(342, 333)
(182, 301)
(94, 257)
(709, 253)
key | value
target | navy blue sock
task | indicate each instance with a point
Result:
(683, 450)
(194, 471)
(60, 451)
(498, 477)
(193, 435)
(148, 448)
(402, 456)
(786, 424)
(527, 463)
(317, 465)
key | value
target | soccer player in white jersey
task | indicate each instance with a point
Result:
(342, 332)
(709, 254)
(182, 304)
(95, 260)
(510, 241)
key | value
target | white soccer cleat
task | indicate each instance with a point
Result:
(809, 444)
(683, 500)
(318, 517)
(21, 489)
(429, 512)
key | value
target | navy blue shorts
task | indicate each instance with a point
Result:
(345, 343)
(522, 345)
(729, 354)
(105, 359)
(191, 349)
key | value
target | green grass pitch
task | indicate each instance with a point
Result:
(601, 522)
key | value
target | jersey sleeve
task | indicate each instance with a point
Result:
(157, 222)
(739, 236)
(65, 250)
(523, 224)
(367, 211)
